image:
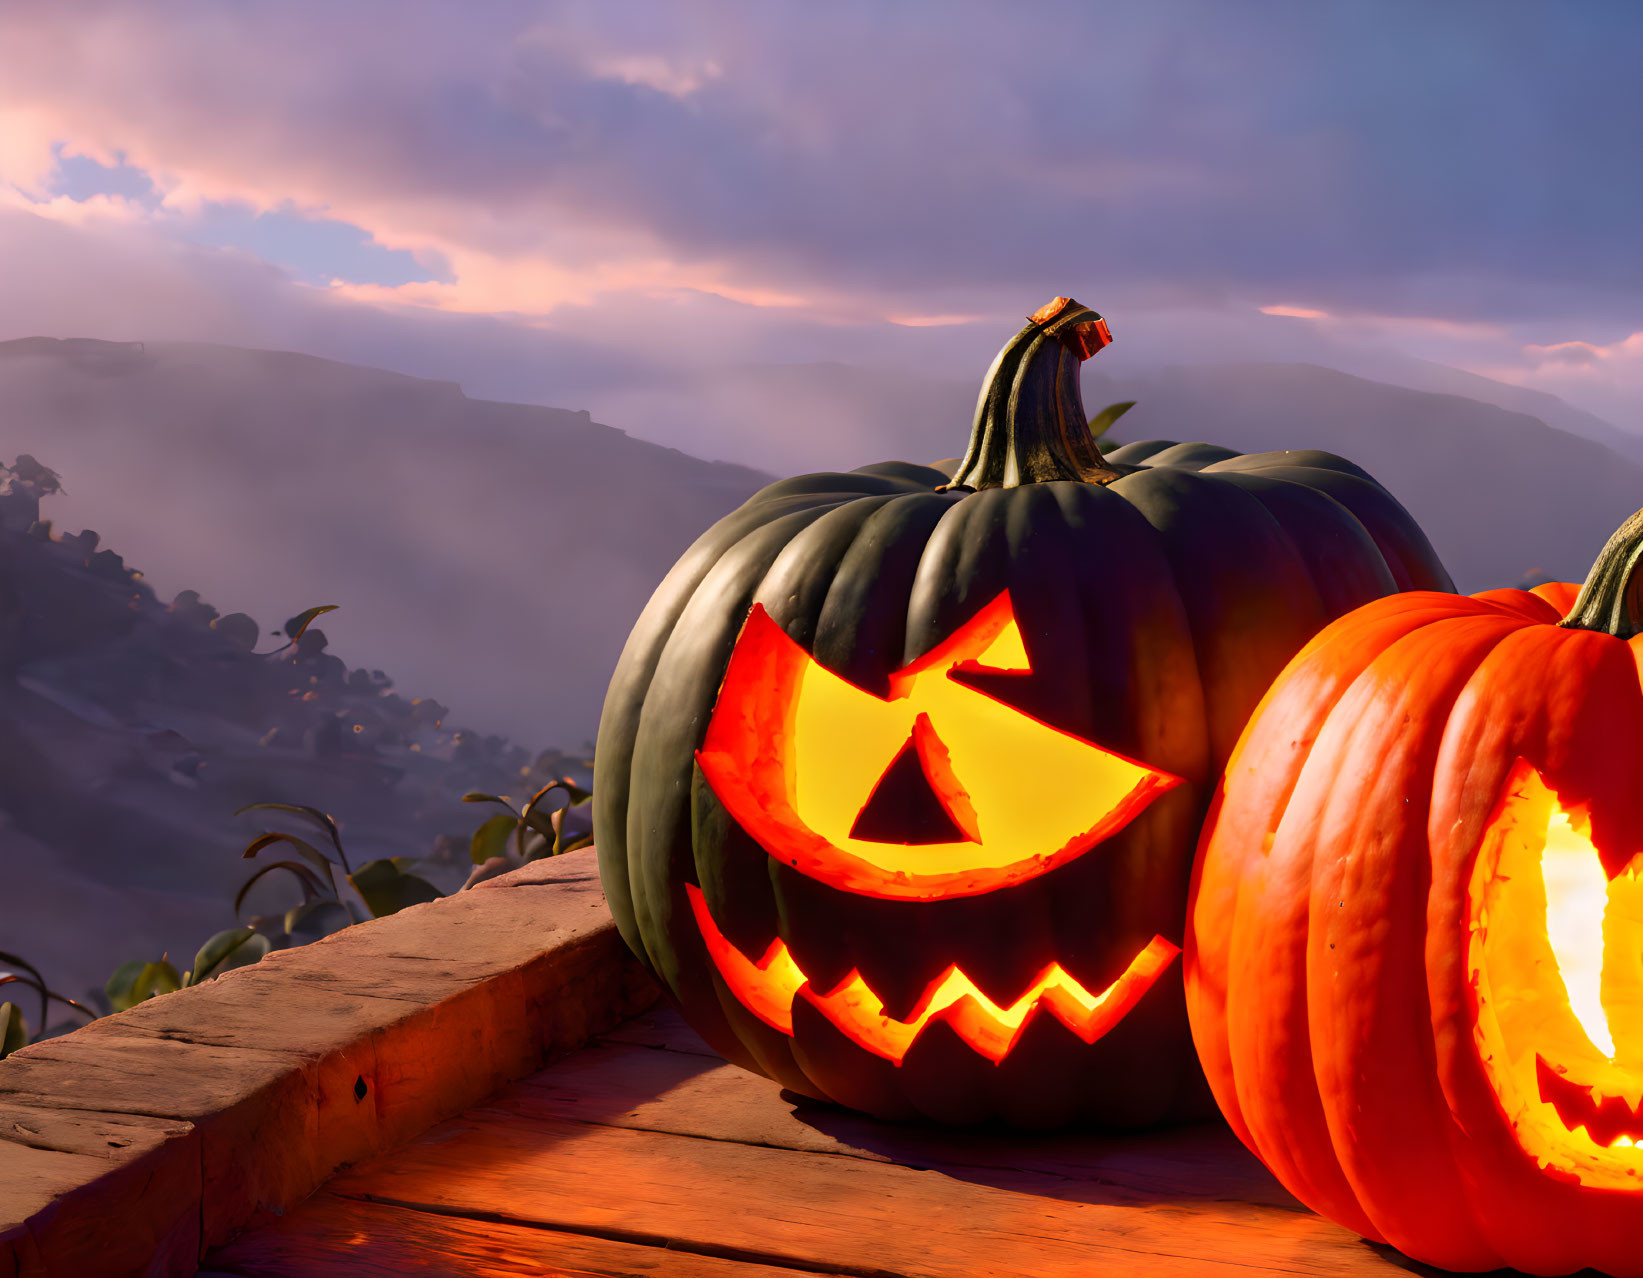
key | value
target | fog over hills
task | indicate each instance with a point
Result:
(1498, 490)
(492, 554)
(133, 728)
(1423, 375)
(495, 555)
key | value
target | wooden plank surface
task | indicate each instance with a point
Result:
(631, 1086)
(134, 1143)
(333, 1235)
(645, 1140)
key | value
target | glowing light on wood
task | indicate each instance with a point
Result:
(794, 751)
(1557, 986)
(768, 987)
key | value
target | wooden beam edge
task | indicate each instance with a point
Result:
(139, 1143)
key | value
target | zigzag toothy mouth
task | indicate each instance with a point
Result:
(1608, 1120)
(770, 986)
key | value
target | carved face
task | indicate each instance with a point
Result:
(1555, 963)
(942, 788)
(1414, 951)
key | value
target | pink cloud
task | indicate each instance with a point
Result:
(931, 321)
(96, 209)
(1604, 378)
(678, 79)
(577, 171)
(1581, 353)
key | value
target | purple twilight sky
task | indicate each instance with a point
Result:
(587, 204)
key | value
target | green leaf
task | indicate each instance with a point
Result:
(235, 947)
(25, 973)
(311, 886)
(586, 841)
(31, 977)
(533, 847)
(386, 890)
(543, 825)
(550, 828)
(306, 850)
(14, 1032)
(491, 838)
(118, 986)
(154, 979)
(22, 965)
(479, 796)
(1103, 421)
(137, 981)
(296, 625)
(575, 795)
(315, 919)
(319, 818)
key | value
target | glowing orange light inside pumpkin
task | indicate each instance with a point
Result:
(769, 986)
(794, 751)
(1557, 986)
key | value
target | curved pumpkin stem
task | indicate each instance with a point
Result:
(1030, 424)
(1611, 601)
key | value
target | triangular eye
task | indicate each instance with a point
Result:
(1021, 690)
(818, 770)
(908, 806)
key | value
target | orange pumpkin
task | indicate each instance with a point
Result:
(1414, 952)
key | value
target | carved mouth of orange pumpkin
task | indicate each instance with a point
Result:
(940, 789)
(1555, 933)
(771, 985)
(1609, 1120)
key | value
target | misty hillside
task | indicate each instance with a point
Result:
(495, 552)
(499, 552)
(133, 727)
(1424, 375)
(1498, 491)
(796, 418)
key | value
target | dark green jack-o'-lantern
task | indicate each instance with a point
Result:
(901, 771)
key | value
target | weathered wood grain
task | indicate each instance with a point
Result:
(678, 1089)
(805, 1209)
(39, 1180)
(276, 1074)
(660, 1027)
(341, 1237)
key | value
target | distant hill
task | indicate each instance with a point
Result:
(496, 552)
(132, 727)
(500, 552)
(1420, 374)
(1499, 491)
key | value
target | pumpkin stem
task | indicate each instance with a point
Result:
(1611, 601)
(1030, 424)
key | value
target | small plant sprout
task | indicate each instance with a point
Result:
(14, 1030)
(379, 887)
(491, 838)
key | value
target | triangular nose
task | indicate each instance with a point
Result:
(904, 807)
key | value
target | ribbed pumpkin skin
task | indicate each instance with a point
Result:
(1155, 609)
(1326, 953)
